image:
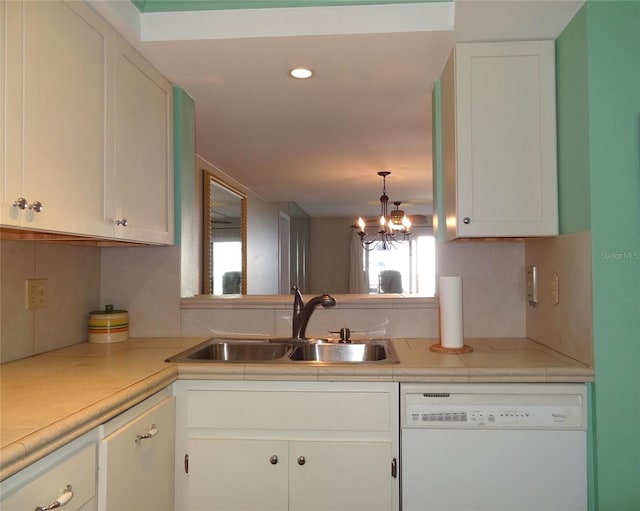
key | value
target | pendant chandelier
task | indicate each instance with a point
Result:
(393, 227)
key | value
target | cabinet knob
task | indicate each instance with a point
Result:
(466, 220)
(63, 499)
(273, 460)
(301, 460)
(21, 203)
(36, 206)
(149, 434)
(122, 222)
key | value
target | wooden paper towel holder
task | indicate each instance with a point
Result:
(439, 348)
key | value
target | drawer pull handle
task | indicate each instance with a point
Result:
(301, 460)
(63, 499)
(273, 460)
(150, 434)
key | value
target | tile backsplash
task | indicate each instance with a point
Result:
(568, 326)
(146, 282)
(73, 274)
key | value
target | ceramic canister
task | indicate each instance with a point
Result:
(108, 325)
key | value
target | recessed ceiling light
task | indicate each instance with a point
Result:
(301, 73)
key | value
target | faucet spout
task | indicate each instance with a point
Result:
(302, 312)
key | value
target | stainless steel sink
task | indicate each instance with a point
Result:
(288, 351)
(378, 351)
(219, 350)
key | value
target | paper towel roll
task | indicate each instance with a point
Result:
(451, 317)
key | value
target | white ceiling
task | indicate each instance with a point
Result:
(320, 142)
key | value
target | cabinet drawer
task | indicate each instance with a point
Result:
(78, 470)
(290, 410)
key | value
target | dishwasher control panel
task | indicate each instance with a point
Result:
(500, 408)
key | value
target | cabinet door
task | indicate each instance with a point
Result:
(140, 190)
(340, 476)
(237, 475)
(505, 140)
(138, 472)
(78, 471)
(56, 116)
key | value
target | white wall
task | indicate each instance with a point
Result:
(262, 246)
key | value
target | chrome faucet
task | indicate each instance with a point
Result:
(302, 312)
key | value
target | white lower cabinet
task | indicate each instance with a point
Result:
(287, 446)
(137, 458)
(246, 474)
(67, 476)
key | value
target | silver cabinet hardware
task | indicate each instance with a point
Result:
(394, 468)
(273, 460)
(301, 460)
(186, 463)
(150, 434)
(122, 222)
(36, 206)
(466, 220)
(63, 499)
(21, 203)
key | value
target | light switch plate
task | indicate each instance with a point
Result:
(532, 285)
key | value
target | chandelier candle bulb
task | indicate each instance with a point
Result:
(451, 317)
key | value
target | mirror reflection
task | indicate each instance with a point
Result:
(224, 238)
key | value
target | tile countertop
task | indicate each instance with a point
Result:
(49, 399)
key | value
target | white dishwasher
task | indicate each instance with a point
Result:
(493, 447)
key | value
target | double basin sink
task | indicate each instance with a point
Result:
(289, 351)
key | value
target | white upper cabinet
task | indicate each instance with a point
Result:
(55, 117)
(140, 190)
(499, 140)
(86, 128)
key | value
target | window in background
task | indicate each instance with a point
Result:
(227, 274)
(405, 268)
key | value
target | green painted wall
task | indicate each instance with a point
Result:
(184, 152)
(599, 135)
(437, 172)
(212, 5)
(573, 127)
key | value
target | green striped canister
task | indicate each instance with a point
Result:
(108, 325)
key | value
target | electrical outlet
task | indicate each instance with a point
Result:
(555, 288)
(37, 293)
